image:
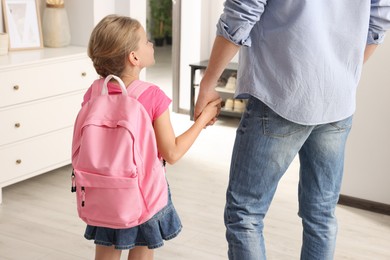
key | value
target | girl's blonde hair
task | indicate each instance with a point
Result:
(111, 41)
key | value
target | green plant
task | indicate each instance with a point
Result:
(168, 17)
(161, 18)
(157, 19)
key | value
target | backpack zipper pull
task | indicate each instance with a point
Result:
(82, 196)
(73, 189)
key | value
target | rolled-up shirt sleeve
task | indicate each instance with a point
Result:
(379, 21)
(238, 19)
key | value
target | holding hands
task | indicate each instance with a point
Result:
(208, 105)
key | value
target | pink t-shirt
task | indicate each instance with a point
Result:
(155, 101)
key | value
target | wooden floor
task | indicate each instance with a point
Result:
(38, 219)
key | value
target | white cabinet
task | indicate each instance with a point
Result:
(40, 94)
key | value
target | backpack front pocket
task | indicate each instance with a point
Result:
(108, 201)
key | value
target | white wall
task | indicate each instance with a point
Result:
(367, 170)
(198, 20)
(84, 15)
(198, 28)
(133, 8)
(2, 29)
(215, 9)
(190, 46)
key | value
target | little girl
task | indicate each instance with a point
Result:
(119, 46)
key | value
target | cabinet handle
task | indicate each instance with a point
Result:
(16, 87)
(83, 74)
(17, 125)
(18, 161)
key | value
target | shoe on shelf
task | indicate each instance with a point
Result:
(229, 103)
(231, 83)
(239, 106)
(221, 82)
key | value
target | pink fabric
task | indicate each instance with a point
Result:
(154, 99)
(151, 182)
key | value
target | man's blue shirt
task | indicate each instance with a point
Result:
(303, 58)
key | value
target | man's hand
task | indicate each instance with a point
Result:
(222, 53)
(206, 95)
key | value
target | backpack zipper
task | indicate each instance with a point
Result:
(73, 189)
(82, 196)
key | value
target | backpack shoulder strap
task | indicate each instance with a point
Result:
(100, 86)
(138, 87)
(96, 87)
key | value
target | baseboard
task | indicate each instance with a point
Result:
(365, 204)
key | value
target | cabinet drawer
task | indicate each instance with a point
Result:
(44, 80)
(34, 155)
(35, 118)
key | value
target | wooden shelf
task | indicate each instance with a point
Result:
(225, 93)
(225, 90)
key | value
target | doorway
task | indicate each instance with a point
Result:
(166, 71)
(176, 18)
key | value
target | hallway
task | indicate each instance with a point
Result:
(38, 217)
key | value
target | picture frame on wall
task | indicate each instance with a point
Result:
(23, 24)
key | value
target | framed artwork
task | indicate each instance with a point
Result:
(22, 23)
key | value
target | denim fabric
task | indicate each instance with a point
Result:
(265, 146)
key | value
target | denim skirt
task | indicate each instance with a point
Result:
(164, 225)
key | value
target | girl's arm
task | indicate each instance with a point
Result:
(172, 148)
(369, 51)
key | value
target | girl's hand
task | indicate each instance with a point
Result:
(211, 111)
(205, 97)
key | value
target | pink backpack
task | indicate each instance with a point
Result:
(117, 176)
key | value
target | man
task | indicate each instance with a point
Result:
(299, 66)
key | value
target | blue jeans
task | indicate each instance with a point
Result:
(265, 146)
